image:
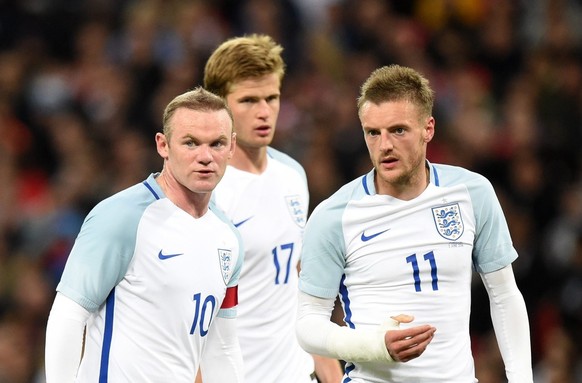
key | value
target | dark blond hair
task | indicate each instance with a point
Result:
(240, 58)
(396, 83)
(196, 99)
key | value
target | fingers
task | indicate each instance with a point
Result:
(413, 347)
(410, 343)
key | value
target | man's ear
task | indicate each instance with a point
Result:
(429, 129)
(162, 145)
(232, 145)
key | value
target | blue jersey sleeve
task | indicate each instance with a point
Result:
(104, 248)
(323, 255)
(493, 247)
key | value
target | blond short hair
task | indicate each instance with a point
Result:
(396, 83)
(196, 99)
(241, 58)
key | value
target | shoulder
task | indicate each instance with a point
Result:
(133, 200)
(479, 188)
(333, 207)
(223, 221)
(285, 160)
(220, 214)
(121, 211)
(449, 175)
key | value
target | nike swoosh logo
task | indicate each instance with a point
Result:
(167, 256)
(366, 238)
(237, 224)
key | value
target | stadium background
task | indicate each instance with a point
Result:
(83, 84)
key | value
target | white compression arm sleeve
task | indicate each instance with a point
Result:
(222, 360)
(510, 322)
(318, 335)
(64, 339)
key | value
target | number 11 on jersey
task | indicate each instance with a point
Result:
(416, 271)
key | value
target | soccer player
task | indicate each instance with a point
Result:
(264, 192)
(404, 238)
(152, 276)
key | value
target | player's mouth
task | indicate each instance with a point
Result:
(263, 130)
(389, 163)
(205, 173)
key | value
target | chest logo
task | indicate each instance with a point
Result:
(366, 238)
(226, 266)
(296, 209)
(163, 256)
(448, 221)
(237, 224)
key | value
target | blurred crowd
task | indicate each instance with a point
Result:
(83, 84)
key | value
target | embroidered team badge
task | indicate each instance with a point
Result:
(225, 261)
(296, 209)
(448, 221)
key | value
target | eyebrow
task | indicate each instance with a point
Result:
(193, 138)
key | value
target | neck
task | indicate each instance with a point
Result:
(252, 160)
(405, 189)
(195, 204)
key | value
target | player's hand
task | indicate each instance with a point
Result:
(407, 344)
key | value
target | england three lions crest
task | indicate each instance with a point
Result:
(448, 221)
(296, 209)
(226, 266)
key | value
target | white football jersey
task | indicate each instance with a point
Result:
(386, 256)
(154, 279)
(270, 211)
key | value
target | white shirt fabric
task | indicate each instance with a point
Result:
(386, 256)
(154, 279)
(270, 211)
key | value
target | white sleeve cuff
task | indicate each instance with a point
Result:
(318, 335)
(222, 359)
(64, 339)
(511, 324)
